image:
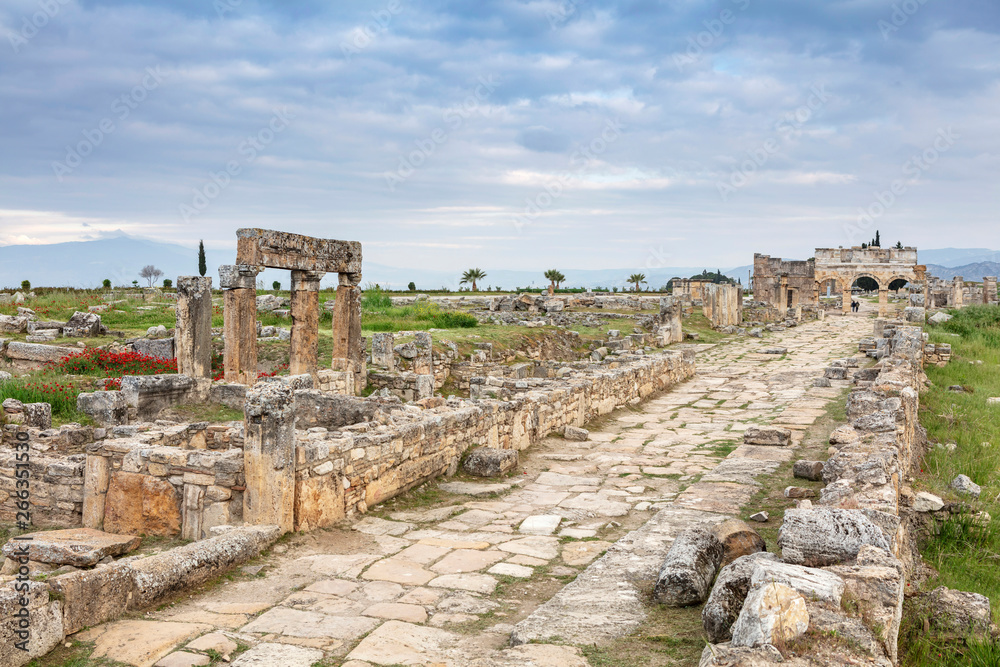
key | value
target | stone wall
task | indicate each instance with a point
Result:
(56, 488)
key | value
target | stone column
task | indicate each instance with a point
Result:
(423, 363)
(848, 296)
(670, 320)
(269, 456)
(347, 347)
(989, 289)
(883, 301)
(383, 355)
(783, 298)
(305, 322)
(239, 283)
(193, 338)
(958, 292)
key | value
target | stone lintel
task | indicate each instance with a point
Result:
(283, 250)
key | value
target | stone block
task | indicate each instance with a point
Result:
(688, 570)
(107, 408)
(811, 470)
(576, 433)
(79, 547)
(82, 325)
(490, 462)
(162, 348)
(826, 536)
(141, 505)
(772, 614)
(727, 597)
(768, 436)
(92, 597)
(738, 539)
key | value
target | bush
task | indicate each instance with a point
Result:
(107, 284)
(168, 283)
(26, 285)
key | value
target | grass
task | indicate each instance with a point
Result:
(964, 551)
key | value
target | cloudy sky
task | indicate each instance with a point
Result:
(505, 133)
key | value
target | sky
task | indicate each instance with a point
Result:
(506, 134)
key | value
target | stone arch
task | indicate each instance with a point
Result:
(866, 274)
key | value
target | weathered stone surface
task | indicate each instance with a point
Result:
(689, 568)
(544, 524)
(966, 486)
(140, 643)
(38, 353)
(726, 600)
(799, 492)
(769, 436)
(398, 643)
(927, 502)
(162, 348)
(825, 536)
(939, 318)
(79, 547)
(284, 250)
(576, 433)
(83, 325)
(952, 613)
(727, 655)
(772, 613)
(193, 339)
(760, 517)
(269, 456)
(737, 539)
(877, 590)
(141, 505)
(12, 324)
(45, 618)
(94, 596)
(107, 408)
(490, 461)
(811, 470)
(38, 415)
(813, 583)
(275, 655)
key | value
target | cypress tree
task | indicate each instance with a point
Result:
(202, 265)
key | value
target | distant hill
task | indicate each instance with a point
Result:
(120, 258)
(85, 264)
(973, 272)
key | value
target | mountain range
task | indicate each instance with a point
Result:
(86, 264)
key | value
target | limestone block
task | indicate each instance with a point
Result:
(269, 456)
(813, 583)
(939, 318)
(38, 353)
(954, 614)
(162, 348)
(490, 462)
(141, 505)
(738, 539)
(927, 502)
(319, 502)
(38, 415)
(689, 568)
(772, 613)
(194, 326)
(79, 547)
(811, 470)
(107, 408)
(726, 600)
(826, 536)
(91, 597)
(965, 486)
(95, 488)
(11, 324)
(769, 436)
(878, 593)
(82, 325)
(576, 433)
(46, 623)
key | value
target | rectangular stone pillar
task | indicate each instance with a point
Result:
(958, 292)
(239, 283)
(383, 354)
(848, 299)
(96, 477)
(269, 456)
(347, 345)
(783, 298)
(305, 322)
(989, 289)
(883, 302)
(193, 337)
(423, 363)
(671, 312)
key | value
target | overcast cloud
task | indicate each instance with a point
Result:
(507, 134)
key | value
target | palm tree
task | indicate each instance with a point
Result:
(555, 278)
(471, 276)
(637, 278)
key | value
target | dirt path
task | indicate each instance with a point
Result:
(444, 575)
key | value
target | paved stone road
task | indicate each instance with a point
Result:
(430, 586)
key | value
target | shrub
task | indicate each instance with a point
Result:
(107, 284)
(276, 285)
(168, 283)
(412, 286)
(25, 285)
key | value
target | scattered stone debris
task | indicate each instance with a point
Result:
(966, 486)
(490, 462)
